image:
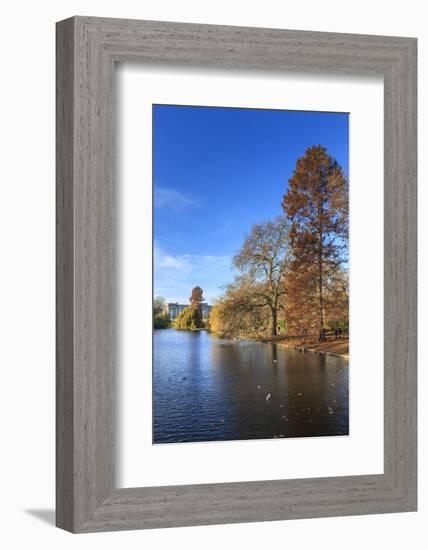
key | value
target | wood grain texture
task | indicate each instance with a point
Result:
(64, 276)
(87, 50)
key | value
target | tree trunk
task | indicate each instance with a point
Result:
(321, 312)
(320, 277)
(274, 321)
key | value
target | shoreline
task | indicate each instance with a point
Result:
(321, 348)
(312, 350)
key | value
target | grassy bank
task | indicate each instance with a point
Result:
(331, 345)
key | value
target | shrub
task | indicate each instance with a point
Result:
(161, 320)
(190, 318)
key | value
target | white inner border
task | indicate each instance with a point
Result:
(140, 462)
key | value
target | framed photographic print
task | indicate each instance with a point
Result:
(236, 274)
(267, 277)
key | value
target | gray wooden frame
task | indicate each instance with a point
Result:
(87, 50)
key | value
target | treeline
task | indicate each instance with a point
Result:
(160, 314)
(292, 271)
(190, 318)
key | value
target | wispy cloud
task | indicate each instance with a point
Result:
(166, 197)
(166, 261)
(176, 275)
(223, 229)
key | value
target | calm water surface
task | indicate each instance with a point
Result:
(210, 389)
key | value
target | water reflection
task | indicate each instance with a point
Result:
(211, 389)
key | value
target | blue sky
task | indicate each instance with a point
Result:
(216, 172)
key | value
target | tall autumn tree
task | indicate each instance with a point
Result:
(191, 316)
(197, 296)
(263, 260)
(196, 299)
(316, 204)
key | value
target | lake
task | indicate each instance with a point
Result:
(206, 388)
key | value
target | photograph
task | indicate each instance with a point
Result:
(250, 274)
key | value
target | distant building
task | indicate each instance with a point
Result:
(174, 310)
